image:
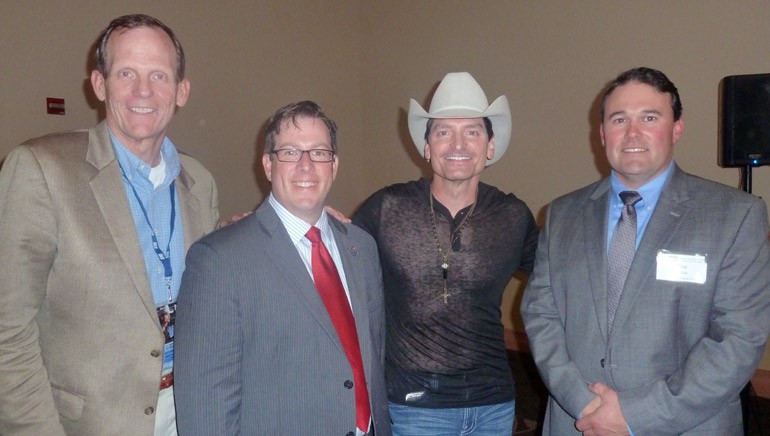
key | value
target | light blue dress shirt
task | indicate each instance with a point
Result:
(157, 202)
(650, 193)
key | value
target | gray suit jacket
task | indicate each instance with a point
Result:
(256, 351)
(679, 353)
(80, 342)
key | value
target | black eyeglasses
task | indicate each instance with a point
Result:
(294, 155)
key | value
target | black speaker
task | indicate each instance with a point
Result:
(745, 120)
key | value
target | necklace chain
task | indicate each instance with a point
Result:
(452, 239)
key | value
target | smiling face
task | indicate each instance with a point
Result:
(639, 132)
(141, 91)
(458, 148)
(301, 187)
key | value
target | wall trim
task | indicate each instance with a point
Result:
(517, 341)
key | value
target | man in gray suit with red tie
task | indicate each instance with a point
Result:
(649, 306)
(280, 319)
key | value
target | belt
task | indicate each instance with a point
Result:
(167, 381)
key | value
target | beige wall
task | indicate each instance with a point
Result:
(363, 60)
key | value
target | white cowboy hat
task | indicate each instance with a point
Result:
(460, 96)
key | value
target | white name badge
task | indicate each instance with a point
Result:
(688, 268)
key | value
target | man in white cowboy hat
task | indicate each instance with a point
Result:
(448, 247)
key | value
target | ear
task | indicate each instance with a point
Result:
(267, 164)
(97, 82)
(426, 152)
(182, 92)
(335, 165)
(601, 133)
(678, 130)
(491, 149)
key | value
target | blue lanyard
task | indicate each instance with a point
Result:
(165, 258)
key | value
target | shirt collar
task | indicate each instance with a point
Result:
(650, 191)
(297, 227)
(137, 169)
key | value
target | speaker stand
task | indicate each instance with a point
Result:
(746, 391)
(748, 401)
(746, 178)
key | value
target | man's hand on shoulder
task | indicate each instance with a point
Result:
(235, 218)
(338, 215)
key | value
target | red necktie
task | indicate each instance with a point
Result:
(329, 286)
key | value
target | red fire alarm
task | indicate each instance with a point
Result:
(55, 106)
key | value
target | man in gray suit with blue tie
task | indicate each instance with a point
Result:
(280, 321)
(649, 306)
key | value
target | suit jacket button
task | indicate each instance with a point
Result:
(149, 411)
(602, 363)
(348, 384)
(155, 353)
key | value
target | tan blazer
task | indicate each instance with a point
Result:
(80, 342)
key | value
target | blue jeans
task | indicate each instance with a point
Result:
(493, 420)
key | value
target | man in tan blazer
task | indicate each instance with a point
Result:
(94, 225)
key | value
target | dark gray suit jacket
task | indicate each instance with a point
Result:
(256, 351)
(679, 353)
